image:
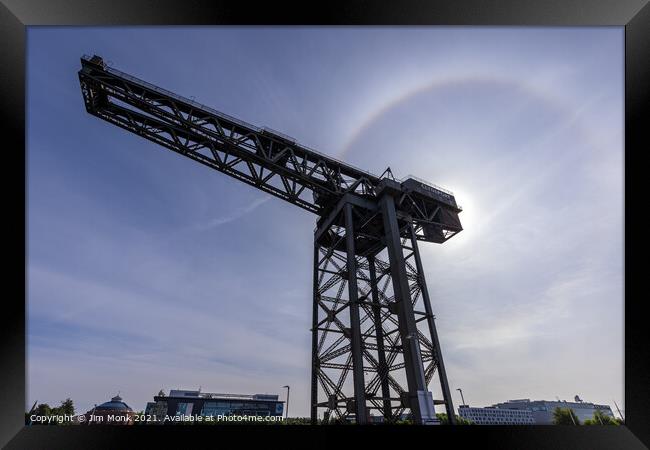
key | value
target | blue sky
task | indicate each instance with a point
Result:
(147, 271)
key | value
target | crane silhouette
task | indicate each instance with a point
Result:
(372, 314)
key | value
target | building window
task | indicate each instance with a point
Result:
(184, 408)
(215, 409)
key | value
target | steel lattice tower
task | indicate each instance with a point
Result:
(374, 340)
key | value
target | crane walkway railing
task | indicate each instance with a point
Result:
(225, 116)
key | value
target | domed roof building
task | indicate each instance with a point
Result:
(116, 404)
(113, 412)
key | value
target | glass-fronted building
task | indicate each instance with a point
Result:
(182, 402)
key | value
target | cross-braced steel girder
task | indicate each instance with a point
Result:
(375, 348)
(375, 345)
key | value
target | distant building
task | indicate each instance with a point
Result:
(157, 408)
(542, 410)
(182, 402)
(113, 412)
(496, 416)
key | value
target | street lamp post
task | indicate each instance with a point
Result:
(461, 396)
(286, 416)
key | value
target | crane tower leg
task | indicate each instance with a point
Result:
(375, 348)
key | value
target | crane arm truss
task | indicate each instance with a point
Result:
(259, 157)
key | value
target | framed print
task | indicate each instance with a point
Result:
(360, 222)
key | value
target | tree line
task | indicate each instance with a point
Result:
(66, 408)
(566, 416)
(561, 416)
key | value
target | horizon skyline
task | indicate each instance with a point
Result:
(282, 399)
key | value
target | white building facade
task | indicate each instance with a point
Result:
(542, 410)
(496, 416)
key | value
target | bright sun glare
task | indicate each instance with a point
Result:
(467, 216)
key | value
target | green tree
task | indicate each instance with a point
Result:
(565, 416)
(444, 420)
(294, 421)
(43, 409)
(67, 407)
(600, 418)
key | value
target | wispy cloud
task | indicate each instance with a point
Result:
(105, 325)
(236, 214)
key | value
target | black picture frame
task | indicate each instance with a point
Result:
(16, 15)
